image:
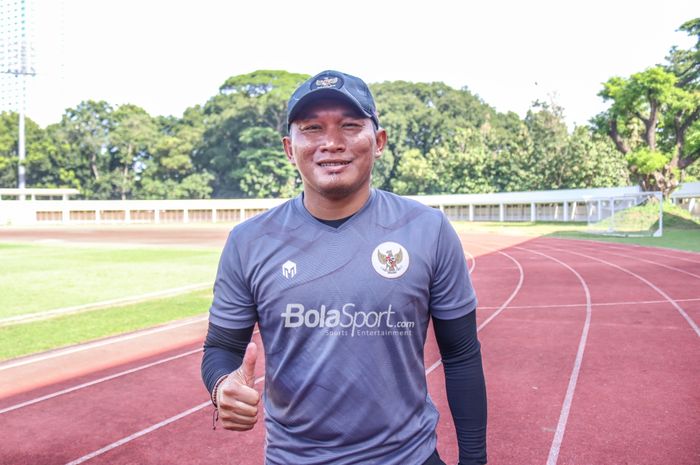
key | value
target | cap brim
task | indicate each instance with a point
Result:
(329, 93)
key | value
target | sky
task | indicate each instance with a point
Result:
(166, 56)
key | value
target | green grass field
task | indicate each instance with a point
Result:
(28, 338)
(36, 278)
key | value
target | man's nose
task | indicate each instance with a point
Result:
(334, 141)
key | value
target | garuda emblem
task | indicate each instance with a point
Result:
(390, 261)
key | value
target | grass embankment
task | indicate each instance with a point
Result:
(37, 278)
(28, 338)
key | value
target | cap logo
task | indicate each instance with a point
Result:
(334, 82)
(390, 260)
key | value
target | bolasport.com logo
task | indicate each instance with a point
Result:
(347, 321)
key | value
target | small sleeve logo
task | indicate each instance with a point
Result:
(390, 260)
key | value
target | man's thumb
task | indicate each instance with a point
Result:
(248, 366)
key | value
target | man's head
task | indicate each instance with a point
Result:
(334, 138)
(337, 86)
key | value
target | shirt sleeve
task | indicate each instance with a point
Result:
(464, 382)
(223, 352)
(233, 305)
(451, 291)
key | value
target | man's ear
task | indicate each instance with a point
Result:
(381, 139)
(287, 144)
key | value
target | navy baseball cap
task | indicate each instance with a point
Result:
(333, 84)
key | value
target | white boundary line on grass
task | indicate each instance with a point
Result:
(105, 303)
(105, 342)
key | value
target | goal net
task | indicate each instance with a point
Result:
(635, 215)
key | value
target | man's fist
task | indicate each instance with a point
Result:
(236, 398)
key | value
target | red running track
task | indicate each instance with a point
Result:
(590, 353)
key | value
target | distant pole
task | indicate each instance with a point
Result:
(21, 150)
(17, 55)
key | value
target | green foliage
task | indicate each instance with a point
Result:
(654, 116)
(414, 174)
(646, 161)
(265, 171)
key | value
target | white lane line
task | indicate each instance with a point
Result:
(432, 367)
(573, 379)
(599, 304)
(680, 310)
(102, 343)
(512, 295)
(504, 305)
(96, 381)
(100, 380)
(203, 405)
(648, 249)
(145, 431)
(472, 266)
(105, 303)
(634, 257)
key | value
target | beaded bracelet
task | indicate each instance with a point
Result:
(215, 390)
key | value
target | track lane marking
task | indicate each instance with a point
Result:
(648, 249)
(598, 304)
(101, 343)
(101, 380)
(96, 381)
(473, 261)
(494, 314)
(680, 310)
(145, 431)
(680, 270)
(172, 419)
(181, 415)
(512, 295)
(573, 379)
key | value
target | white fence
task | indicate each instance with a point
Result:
(557, 205)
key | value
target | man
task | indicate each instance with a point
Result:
(342, 282)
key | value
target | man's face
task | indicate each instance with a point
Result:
(334, 149)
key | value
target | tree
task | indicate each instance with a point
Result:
(83, 135)
(42, 156)
(264, 169)
(422, 116)
(549, 137)
(241, 122)
(653, 117)
(131, 137)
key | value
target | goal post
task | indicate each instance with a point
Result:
(630, 215)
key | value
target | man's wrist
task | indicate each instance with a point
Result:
(214, 392)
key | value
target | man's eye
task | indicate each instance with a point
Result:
(352, 124)
(311, 127)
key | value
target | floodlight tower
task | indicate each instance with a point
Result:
(16, 65)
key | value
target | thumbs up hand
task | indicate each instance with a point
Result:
(236, 398)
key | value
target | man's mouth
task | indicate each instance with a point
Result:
(326, 164)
